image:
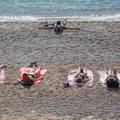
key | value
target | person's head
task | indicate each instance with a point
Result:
(111, 79)
(58, 23)
(79, 80)
(3, 66)
(81, 71)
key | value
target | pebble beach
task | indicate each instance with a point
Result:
(95, 43)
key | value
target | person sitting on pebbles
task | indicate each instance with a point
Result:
(79, 77)
(59, 26)
(49, 25)
(112, 80)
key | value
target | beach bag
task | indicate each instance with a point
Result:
(112, 82)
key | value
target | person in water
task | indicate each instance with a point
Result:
(112, 80)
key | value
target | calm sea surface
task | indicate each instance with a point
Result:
(50, 9)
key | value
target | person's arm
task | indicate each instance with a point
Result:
(110, 72)
(78, 72)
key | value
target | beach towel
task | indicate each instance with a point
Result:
(2, 76)
(25, 70)
(103, 76)
(39, 73)
(90, 76)
(72, 82)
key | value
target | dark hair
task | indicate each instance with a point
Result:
(112, 82)
(58, 23)
(33, 64)
(81, 71)
(79, 80)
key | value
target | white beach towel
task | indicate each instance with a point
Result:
(90, 76)
(103, 76)
(2, 76)
(71, 77)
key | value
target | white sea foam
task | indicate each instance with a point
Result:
(68, 18)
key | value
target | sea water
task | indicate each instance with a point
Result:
(33, 10)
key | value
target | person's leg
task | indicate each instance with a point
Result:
(114, 72)
(110, 72)
(78, 70)
(85, 70)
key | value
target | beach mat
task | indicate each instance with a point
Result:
(40, 73)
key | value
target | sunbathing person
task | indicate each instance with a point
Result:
(49, 25)
(31, 75)
(79, 77)
(59, 27)
(112, 80)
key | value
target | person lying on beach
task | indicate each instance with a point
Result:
(2, 73)
(79, 78)
(49, 25)
(59, 27)
(112, 80)
(31, 75)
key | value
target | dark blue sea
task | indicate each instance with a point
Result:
(33, 10)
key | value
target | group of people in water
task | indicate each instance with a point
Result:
(33, 74)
